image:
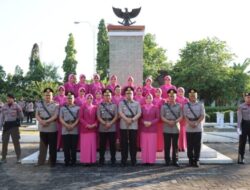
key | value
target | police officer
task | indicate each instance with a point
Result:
(194, 113)
(171, 114)
(46, 115)
(107, 116)
(129, 111)
(11, 116)
(69, 117)
(243, 129)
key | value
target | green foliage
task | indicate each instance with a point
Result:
(204, 65)
(102, 58)
(211, 113)
(154, 58)
(35, 89)
(69, 63)
(36, 69)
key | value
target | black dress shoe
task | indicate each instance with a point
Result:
(167, 163)
(123, 164)
(197, 164)
(241, 159)
(191, 163)
(176, 164)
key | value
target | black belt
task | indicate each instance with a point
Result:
(246, 122)
(129, 116)
(193, 119)
(107, 119)
(44, 118)
(70, 122)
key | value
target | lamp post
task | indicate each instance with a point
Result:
(93, 36)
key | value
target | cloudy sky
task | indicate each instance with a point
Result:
(48, 23)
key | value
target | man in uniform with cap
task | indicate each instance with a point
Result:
(194, 113)
(129, 111)
(243, 127)
(46, 114)
(107, 116)
(11, 116)
(171, 114)
(69, 117)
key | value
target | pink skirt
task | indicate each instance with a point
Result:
(160, 138)
(148, 147)
(88, 148)
(59, 135)
(182, 142)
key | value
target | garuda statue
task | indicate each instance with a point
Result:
(126, 16)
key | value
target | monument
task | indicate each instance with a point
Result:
(126, 47)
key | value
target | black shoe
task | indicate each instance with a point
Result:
(176, 164)
(52, 165)
(66, 164)
(167, 163)
(123, 164)
(241, 159)
(191, 163)
(196, 164)
(133, 164)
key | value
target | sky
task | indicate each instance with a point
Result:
(173, 22)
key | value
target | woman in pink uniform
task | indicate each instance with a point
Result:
(182, 100)
(130, 83)
(112, 84)
(98, 98)
(80, 100)
(148, 88)
(139, 98)
(116, 99)
(149, 120)
(61, 99)
(82, 83)
(167, 85)
(70, 86)
(88, 130)
(158, 102)
(95, 85)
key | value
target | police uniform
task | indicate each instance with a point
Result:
(107, 113)
(129, 132)
(243, 119)
(171, 112)
(70, 115)
(11, 116)
(48, 133)
(194, 113)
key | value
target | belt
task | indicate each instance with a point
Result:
(193, 119)
(246, 122)
(70, 122)
(129, 116)
(44, 118)
(107, 119)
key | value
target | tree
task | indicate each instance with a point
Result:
(51, 73)
(204, 65)
(155, 60)
(70, 63)
(102, 59)
(2, 77)
(36, 70)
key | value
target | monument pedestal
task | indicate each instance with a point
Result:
(126, 52)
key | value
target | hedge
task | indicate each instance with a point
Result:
(211, 113)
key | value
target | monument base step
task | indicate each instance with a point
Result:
(208, 156)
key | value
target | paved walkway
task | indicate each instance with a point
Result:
(26, 177)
